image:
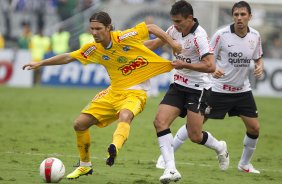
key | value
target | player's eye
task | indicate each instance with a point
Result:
(177, 21)
(241, 14)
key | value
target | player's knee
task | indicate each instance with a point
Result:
(77, 125)
(254, 130)
(160, 124)
(125, 116)
(195, 137)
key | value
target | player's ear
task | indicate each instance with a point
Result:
(190, 17)
(250, 17)
(109, 27)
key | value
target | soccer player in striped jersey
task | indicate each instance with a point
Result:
(234, 48)
(129, 64)
(187, 94)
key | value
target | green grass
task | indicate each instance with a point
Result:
(37, 123)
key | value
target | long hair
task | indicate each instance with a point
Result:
(103, 18)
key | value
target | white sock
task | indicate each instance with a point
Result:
(166, 148)
(180, 137)
(249, 148)
(85, 164)
(213, 143)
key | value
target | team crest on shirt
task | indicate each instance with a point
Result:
(136, 64)
(122, 59)
(88, 51)
(252, 44)
(187, 44)
(126, 48)
(127, 35)
(105, 57)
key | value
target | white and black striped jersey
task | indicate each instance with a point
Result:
(195, 46)
(234, 55)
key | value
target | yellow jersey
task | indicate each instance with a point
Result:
(128, 61)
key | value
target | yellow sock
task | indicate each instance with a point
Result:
(83, 145)
(121, 134)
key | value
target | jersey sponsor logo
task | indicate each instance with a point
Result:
(105, 57)
(122, 59)
(237, 59)
(231, 88)
(126, 35)
(235, 54)
(230, 45)
(182, 58)
(88, 51)
(139, 62)
(180, 78)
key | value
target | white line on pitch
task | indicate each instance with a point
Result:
(99, 158)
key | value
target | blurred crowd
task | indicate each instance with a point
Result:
(33, 30)
(273, 46)
(39, 8)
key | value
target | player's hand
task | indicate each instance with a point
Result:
(32, 66)
(258, 72)
(218, 73)
(177, 48)
(178, 64)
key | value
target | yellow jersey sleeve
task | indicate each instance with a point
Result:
(84, 53)
(139, 33)
(143, 31)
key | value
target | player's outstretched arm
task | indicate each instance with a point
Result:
(154, 44)
(157, 31)
(55, 60)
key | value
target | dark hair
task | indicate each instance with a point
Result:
(182, 7)
(101, 17)
(242, 4)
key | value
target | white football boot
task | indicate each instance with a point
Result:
(223, 157)
(160, 163)
(249, 168)
(170, 175)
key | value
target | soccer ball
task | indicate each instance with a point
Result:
(52, 170)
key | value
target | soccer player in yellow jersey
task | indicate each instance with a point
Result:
(129, 64)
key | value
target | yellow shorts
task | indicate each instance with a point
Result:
(106, 105)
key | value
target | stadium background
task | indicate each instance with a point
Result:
(36, 120)
(125, 13)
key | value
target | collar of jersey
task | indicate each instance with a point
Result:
(232, 29)
(110, 45)
(195, 26)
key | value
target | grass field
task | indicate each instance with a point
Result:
(37, 123)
